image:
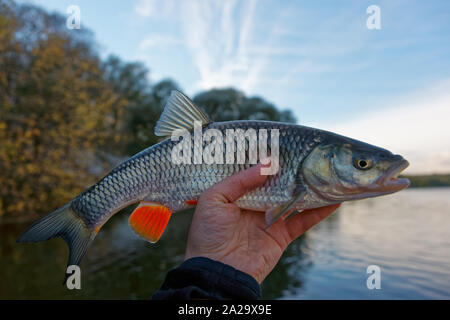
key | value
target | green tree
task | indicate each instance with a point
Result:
(138, 107)
(142, 117)
(231, 104)
(130, 83)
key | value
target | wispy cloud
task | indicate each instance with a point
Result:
(240, 43)
(154, 8)
(220, 38)
(158, 40)
(219, 50)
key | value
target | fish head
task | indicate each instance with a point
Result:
(352, 170)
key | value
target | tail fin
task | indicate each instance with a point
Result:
(66, 224)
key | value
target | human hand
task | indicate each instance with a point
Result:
(221, 231)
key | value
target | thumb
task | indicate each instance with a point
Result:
(235, 186)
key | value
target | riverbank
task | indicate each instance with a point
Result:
(432, 180)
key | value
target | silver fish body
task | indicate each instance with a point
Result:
(152, 176)
(316, 168)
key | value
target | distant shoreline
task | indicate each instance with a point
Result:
(431, 180)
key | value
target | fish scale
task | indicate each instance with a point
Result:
(152, 176)
(316, 168)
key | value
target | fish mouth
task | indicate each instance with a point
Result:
(390, 180)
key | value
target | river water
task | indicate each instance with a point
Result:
(407, 235)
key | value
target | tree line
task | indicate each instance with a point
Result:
(429, 180)
(67, 116)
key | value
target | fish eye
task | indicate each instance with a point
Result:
(362, 164)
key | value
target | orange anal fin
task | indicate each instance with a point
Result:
(149, 220)
(191, 202)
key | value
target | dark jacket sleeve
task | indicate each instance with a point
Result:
(203, 278)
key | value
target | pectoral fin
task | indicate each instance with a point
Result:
(284, 209)
(149, 220)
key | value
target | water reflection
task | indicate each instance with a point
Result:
(119, 264)
(406, 234)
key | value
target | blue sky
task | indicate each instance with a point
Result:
(390, 87)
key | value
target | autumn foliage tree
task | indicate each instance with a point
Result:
(67, 117)
(56, 111)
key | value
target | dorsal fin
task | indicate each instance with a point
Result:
(179, 113)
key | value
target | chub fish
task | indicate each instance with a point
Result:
(316, 168)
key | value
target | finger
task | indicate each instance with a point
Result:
(300, 223)
(235, 186)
